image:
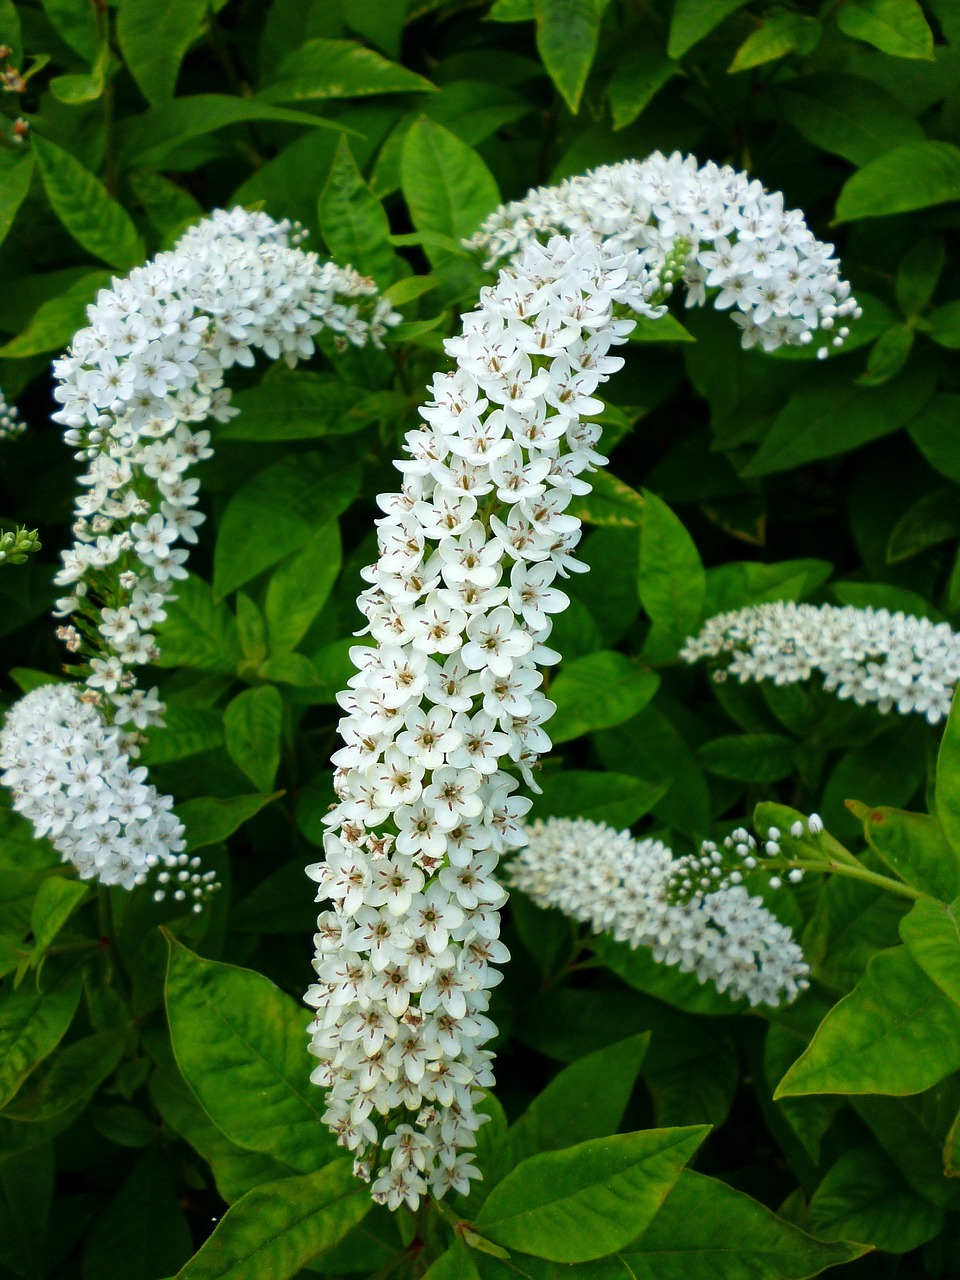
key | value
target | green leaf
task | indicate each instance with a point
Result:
(82, 203)
(848, 115)
(948, 777)
(586, 1100)
(299, 588)
(55, 322)
(749, 757)
(640, 74)
(638, 969)
(188, 731)
(277, 1229)
(11, 33)
(694, 19)
(84, 86)
(618, 799)
(169, 208)
(610, 503)
(253, 721)
(236, 1036)
(325, 69)
(567, 36)
(598, 691)
(895, 1033)
(56, 900)
(945, 326)
(588, 1200)
(73, 1077)
(13, 191)
(931, 931)
(199, 631)
(447, 187)
(76, 24)
(782, 34)
(897, 27)
(143, 1224)
(864, 1197)
(210, 819)
(672, 582)
(33, 1020)
(294, 404)
(706, 1228)
(920, 269)
(353, 221)
(914, 847)
(26, 1192)
(154, 39)
(277, 511)
(888, 355)
(914, 176)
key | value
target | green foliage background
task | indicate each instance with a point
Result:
(150, 1078)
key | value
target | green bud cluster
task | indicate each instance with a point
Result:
(16, 545)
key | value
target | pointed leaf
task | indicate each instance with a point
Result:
(253, 722)
(82, 203)
(154, 38)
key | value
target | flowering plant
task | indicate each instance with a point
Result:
(412, 504)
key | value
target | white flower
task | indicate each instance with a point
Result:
(11, 424)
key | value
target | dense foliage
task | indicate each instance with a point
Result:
(153, 1060)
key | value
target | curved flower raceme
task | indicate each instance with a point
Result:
(11, 424)
(450, 698)
(133, 388)
(641, 893)
(735, 237)
(873, 656)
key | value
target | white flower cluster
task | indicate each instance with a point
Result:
(741, 241)
(134, 383)
(873, 656)
(71, 778)
(460, 607)
(636, 890)
(11, 424)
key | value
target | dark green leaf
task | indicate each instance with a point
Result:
(610, 503)
(914, 847)
(56, 900)
(597, 691)
(913, 176)
(13, 190)
(640, 74)
(447, 187)
(749, 757)
(353, 221)
(694, 19)
(781, 34)
(897, 27)
(33, 1020)
(153, 40)
(324, 69)
(615, 798)
(253, 722)
(199, 631)
(931, 931)
(848, 115)
(863, 1197)
(567, 35)
(210, 819)
(82, 203)
(57, 320)
(672, 583)
(299, 588)
(143, 1225)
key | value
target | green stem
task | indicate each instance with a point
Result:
(853, 870)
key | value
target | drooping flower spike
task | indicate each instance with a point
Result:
(642, 894)
(872, 656)
(11, 424)
(134, 388)
(447, 706)
(735, 240)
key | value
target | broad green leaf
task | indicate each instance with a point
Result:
(11, 33)
(447, 187)
(848, 115)
(781, 34)
(33, 1020)
(638, 969)
(13, 189)
(457, 1263)
(666, 328)
(598, 691)
(168, 206)
(26, 1193)
(588, 1200)
(73, 1077)
(945, 325)
(153, 39)
(353, 221)
(887, 356)
(76, 24)
(672, 582)
(914, 847)
(253, 722)
(586, 1100)
(567, 36)
(147, 139)
(749, 757)
(610, 503)
(275, 1230)
(82, 203)
(931, 931)
(143, 1224)
(618, 799)
(84, 86)
(864, 1197)
(199, 631)
(277, 511)
(299, 588)
(914, 1132)
(295, 404)
(188, 731)
(831, 415)
(742, 582)
(914, 176)
(897, 27)
(640, 74)
(56, 900)
(55, 322)
(694, 19)
(277, 904)
(324, 69)
(948, 777)
(920, 269)
(895, 1033)
(236, 1036)
(706, 1228)
(211, 819)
